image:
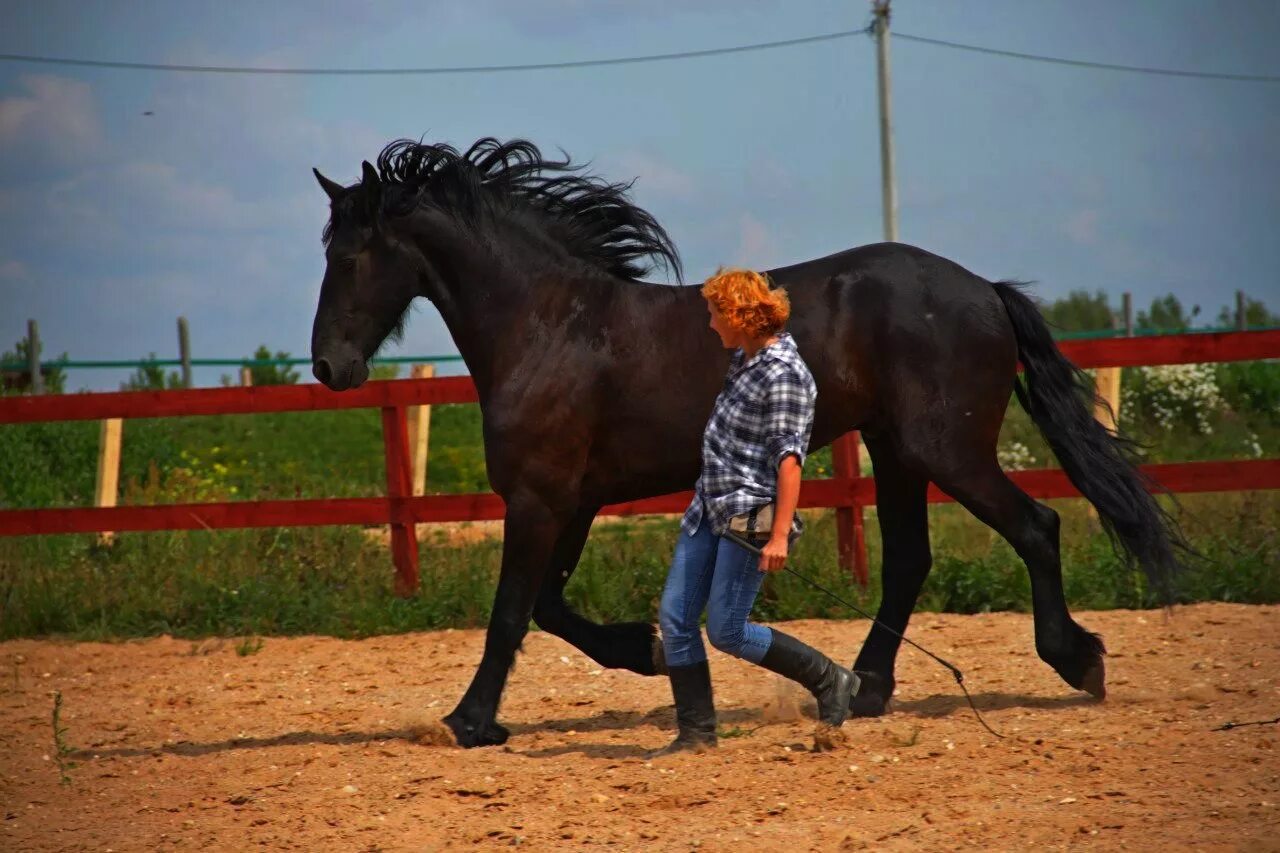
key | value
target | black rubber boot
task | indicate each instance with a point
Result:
(695, 711)
(831, 684)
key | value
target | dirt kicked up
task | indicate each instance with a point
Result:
(308, 744)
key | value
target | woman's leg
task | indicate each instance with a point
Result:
(735, 584)
(685, 596)
(683, 599)
(734, 587)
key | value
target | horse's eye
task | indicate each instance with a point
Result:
(347, 264)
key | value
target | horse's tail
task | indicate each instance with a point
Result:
(1102, 465)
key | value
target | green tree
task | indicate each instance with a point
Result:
(150, 376)
(1080, 311)
(271, 374)
(17, 381)
(1256, 315)
(1167, 315)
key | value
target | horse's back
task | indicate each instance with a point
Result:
(887, 324)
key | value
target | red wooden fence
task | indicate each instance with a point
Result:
(848, 492)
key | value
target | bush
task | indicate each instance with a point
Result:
(19, 381)
(271, 374)
(1173, 395)
(1015, 456)
(1251, 386)
(150, 376)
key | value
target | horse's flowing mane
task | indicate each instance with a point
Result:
(593, 219)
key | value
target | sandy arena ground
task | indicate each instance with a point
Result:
(308, 745)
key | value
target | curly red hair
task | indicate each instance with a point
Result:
(747, 301)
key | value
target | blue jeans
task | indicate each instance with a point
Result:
(712, 573)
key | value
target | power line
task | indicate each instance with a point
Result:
(623, 60)
(454, 69)
(1081, 63)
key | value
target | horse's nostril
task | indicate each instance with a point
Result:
(323, 372)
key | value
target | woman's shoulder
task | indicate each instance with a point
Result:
(791, 373)
(789, 367)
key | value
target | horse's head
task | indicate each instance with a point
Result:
(369, 280)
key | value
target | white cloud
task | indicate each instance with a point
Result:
(571, 17)
(14, 271)
(53, 116)
(654, 177)
(756, 248)
(111, 203)
(1082, 227)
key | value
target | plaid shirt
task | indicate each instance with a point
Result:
(763, 414)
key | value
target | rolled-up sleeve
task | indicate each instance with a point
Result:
(788, 416)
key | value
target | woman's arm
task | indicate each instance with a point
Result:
(774, 554)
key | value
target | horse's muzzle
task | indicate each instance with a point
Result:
(340, 374)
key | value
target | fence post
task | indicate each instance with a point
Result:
(33, 357)
(419, 432)
(404, 544)
(1106, 407)
(246, 376)
(851, 540)
(184, 351)
(106, 488)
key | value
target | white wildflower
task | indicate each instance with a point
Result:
(1176, 393)
(1015, 456)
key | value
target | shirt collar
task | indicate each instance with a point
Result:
(778, 349)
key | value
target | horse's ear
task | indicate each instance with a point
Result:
(372, 187)
(332, 189)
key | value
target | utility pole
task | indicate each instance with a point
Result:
(33, 357)
(184, 351)
(889, 192)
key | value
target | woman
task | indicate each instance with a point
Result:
(752, 452)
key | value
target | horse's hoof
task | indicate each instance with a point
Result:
(872, 698)
(470, 735)
(1095, 681)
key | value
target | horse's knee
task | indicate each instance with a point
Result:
(551, 615)
(1047, 521)
(1037, 540)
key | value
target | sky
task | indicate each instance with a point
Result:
(114, 222)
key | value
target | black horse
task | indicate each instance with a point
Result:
(595, 388)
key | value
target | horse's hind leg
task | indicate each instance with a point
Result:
(1032, 529)
(623, 645)
(904, 531)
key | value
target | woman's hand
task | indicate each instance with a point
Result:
(774, 554)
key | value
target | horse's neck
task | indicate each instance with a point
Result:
(499, 304)
(497, 319)
(493, 307)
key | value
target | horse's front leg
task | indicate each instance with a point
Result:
(621, 645)
(531, 530)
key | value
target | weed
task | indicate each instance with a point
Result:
(61, 749)
(725, 732)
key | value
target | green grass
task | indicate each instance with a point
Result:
(254, 457)
(338, 580)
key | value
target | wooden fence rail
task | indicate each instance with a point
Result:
(848, 492)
